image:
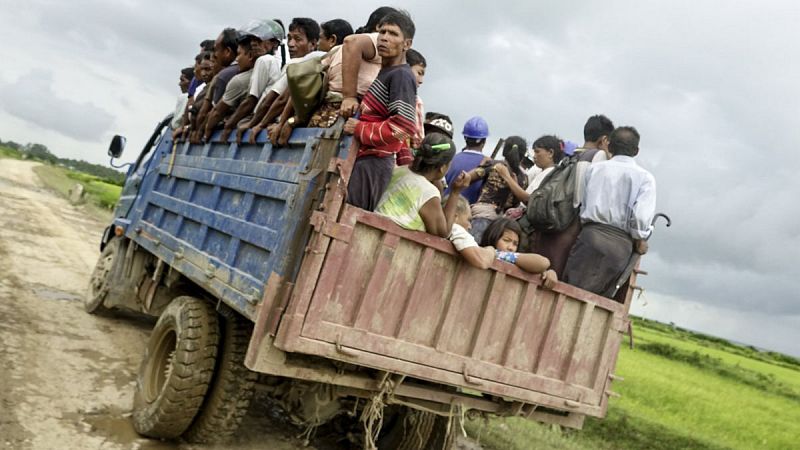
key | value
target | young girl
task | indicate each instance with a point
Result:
(500, 241)
(504, 235)
(412, 200)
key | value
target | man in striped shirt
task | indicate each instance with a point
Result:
(388, 115)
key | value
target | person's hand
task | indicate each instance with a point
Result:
(549, 278)
(241, 130)
(502, 170)
(350, 125)
(254, 133)
(514, 213)
(460, 183)
(176, 134)
(223, 137)
(284, 134)
(349, 107)
(274, 131)
(640, 246)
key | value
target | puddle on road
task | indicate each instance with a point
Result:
(47, 293)
(116, 427)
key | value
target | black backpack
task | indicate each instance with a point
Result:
(550, 206)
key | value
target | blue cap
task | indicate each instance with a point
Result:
(476, 128)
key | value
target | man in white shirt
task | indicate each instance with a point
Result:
(617, 211)
(267, 35)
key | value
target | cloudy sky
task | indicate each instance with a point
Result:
(712, 88)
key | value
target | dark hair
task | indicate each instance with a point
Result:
(188, 72)
(495, 231)
(206, 56)
(247, 44)
(310, 27)
(472, 142)
(415, 58)
(403, 20)
(230, 39)
(597, 127)
(552, 143)
(427, 158)
(375, 18)
(513, 151)
(207, 45)
(624, 141)
(337, 27)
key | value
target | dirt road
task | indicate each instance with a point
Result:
(66, 377)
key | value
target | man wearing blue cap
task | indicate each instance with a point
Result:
(475, 132)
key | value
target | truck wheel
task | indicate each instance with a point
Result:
(409, 429)
(176, 370)
(231, 389)
(100, 282)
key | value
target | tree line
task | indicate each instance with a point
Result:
(41, 153)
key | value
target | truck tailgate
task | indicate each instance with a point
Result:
(374, 294)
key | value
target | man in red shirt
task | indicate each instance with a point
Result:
(388, 115)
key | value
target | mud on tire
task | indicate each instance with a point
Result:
(100, 281)
(176, 370)
(231, 390)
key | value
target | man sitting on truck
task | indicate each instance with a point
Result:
(268, 34)
(248, 50)
(617, 212)
(302, 42)
(388, 116)
(224, 55)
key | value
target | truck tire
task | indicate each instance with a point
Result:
(231, 390)
(177, 368)
(100, 281)
(409, 429)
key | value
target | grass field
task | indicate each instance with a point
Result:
(681, 390)
(99, 197)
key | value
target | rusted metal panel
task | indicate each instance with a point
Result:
(406, 302)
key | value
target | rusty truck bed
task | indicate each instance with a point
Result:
(372, 294)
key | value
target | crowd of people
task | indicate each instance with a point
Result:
(408, 168)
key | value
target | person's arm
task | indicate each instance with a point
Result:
(277, 107)
(438, 221)
(280, 132)
(259, 118)
(245, 108)
(644, 209)
(516, 189)
(355, 49)
(214, 118)
(480, 257)
(529, 262)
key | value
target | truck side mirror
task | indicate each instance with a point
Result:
(117, 146)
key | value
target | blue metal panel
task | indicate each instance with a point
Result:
(223, 214)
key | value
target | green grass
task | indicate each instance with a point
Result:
(10, 153)
(681, 390)
(99, 198)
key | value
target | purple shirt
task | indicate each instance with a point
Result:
(466, 161)
(193, 86)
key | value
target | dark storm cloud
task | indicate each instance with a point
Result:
(32, 98)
